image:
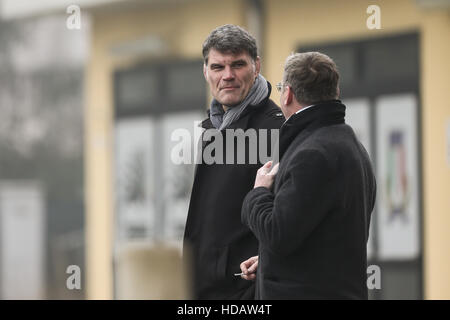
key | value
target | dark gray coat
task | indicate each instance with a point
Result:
(313, 226)
(214, 232)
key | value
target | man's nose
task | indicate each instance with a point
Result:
(228, 73)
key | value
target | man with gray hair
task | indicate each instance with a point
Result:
(214, 232)
(311, 211)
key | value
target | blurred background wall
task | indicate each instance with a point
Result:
(41, 155)
(102, 101)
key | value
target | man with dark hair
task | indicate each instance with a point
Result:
(214, 237)
(311, 211)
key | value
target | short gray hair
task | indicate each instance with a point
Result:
(313, 77)
(230, 38)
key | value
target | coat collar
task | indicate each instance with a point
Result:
(320, 115)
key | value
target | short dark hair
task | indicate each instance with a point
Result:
(313, 77)
(230, 38)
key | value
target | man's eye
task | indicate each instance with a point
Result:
(239, 65)
(216, 67)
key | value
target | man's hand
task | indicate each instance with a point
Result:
(266, 175)
(248, 268)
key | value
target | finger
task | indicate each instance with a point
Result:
(243, 267)
(247, 263)
(253, 259)
(249, 277)
(265, 169)
(268, 164)
(253, 267)
(274, 169)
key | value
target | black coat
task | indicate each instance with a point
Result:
(217, 239)
(313, 227)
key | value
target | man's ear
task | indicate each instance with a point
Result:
(205, 71)
(289, 97)
(257, 65)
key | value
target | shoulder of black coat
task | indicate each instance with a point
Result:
(269, 115)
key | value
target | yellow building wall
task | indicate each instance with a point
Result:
(435, 87)
(184, 26)
(290, 23)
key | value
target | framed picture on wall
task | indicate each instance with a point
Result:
(135, 194)
(398, 177)
(180, 134)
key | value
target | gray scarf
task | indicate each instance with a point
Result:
(221, 119)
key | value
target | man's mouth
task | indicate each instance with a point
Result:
(229, 88)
